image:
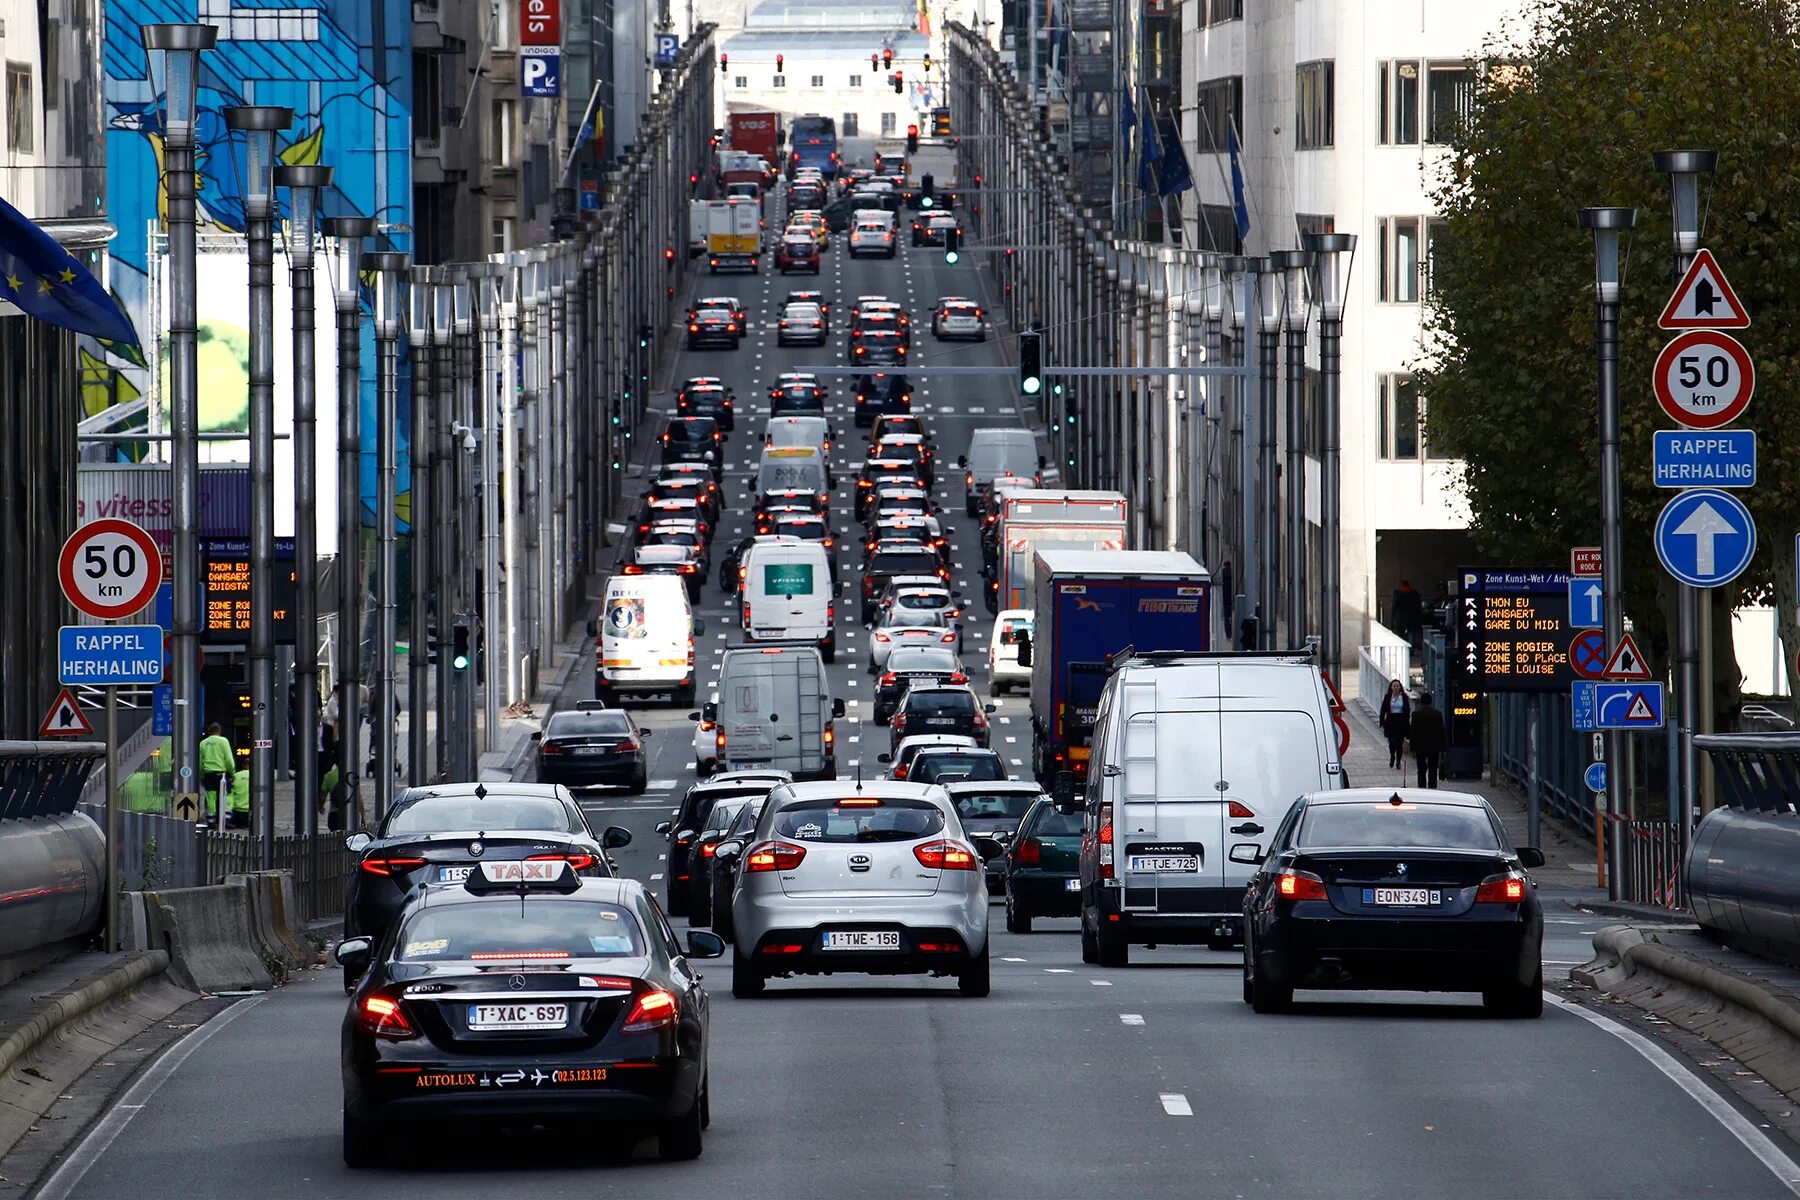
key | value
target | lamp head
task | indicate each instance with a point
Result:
(1684, 168)
(1609, 226)
(1295, 267)
(181, 46)
(1333, 254)
(258, 123)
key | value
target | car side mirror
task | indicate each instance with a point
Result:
(962, 460)
(699, 626)
(684, 835)
(353, 954)
(537, 735)
(663, 826)
(694, 716)
(1531, 856)
(837, 707)
(644, 733)
(884, 758)
(1024, 645)
(356, 843)
(1247, 852)
(1042, 462)
(703, 943)
(593, 629)
(989, 848)
(615, 837)
(729, 848)
(988, 708)
(709, 711)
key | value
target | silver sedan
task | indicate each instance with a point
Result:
(874, 878)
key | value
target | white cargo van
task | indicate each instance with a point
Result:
(785, 594)
(994, 453)
(791, 467)
(1197, 758)
(646, 636)
(814, 433)
(774, 709)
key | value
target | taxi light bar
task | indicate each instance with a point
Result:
(543, 873)
(1299, 885)
(383, 1017)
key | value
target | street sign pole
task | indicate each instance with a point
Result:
(113, 784)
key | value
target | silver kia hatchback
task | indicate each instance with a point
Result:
(874, 877)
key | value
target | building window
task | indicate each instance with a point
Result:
(818, 81)
(1218, 229)
(1221, 106)
(1315, 101)
(780, 81)
(500, 235)
(847, 126)
(1401, 418)
(889, 123)
(740, 81)
(500, 134)
(856, 81)
(1216, 12)
(1449, 99)
(1437, 236)
(19, 122)
(1399, 91)
(428, 100)
(1399, 252)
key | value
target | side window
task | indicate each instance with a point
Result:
(659, 927)
(1102, 741)
(1284, 832)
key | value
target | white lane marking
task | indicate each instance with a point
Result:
(1011, 740)
(1058, 971)
(655, 875)
(93, 1147)
(1721, 1110)
(1101, 982)
(1131, 1019)
(663, 785)
(661, 857)
(1176, 1104)
(1013, 960)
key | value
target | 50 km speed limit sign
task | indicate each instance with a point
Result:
(110, 568)
(1704, 379)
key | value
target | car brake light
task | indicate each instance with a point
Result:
(628, 747)
(1027, 853)
(774, 856)
(653, 1010)
(1239, 810)
(958, 677)
(951, 637)
(390, 866)
(1299, 885)
(1506, 888)
(980, 721)
(577, 860)
(889, 679)
(899, 721)
(706, 850)
(946, 856)
(383, 1017)
(1105, 839)
(693, 329)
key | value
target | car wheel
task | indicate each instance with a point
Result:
(363, 1146)
(677, 900)
(1265, 997)
(1525, 1002)
(721, 915)
(1016, 921)
(746, 981)
(829, 652)
(706, 1104)
(680, 1139)
(1090, 949)
(639, 782)
(975, 980)
(1109, 942)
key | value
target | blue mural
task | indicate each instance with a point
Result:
(343, 66)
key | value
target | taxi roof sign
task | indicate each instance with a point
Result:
(524, 874)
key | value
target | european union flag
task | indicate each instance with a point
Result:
(45, 281)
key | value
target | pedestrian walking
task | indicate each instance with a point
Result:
(217, 765)
(1406, 610)
(1396, 720)
(1427, 737)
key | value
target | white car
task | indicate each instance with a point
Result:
(906, 597)
(1004, 668)
(956, 317)
(912, 629)
(871, 237)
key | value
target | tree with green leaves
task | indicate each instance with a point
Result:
(1570, 120)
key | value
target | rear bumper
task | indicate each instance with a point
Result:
(774, 952)
(577, 772)
(1173, 916)
(763, 919)
(646, 679)
(645, 1091)
(1450, 955)
(1044, 893)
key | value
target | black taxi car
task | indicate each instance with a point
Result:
(529, 995)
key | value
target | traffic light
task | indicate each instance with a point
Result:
(887, 58)
(952, 244)
(874, 62)
(669, 256)
(912, 139)
(724, 64)
(459, 646)
(899, 81)
(1031, 366)
(780, 60)
(644, 332)
(928, 62)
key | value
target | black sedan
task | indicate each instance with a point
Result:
(713, 327)
(592, 745)
(697, 399)
(437, 834)
(1413, 890)
(911, 666)
(881, 392)
(528, 995)
(725, 868)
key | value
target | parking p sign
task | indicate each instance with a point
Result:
(668, 49)
(540, 71)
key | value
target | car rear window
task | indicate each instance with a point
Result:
(940, 702)
(690, 431)
(563, 724)
(931, 766)
(1383, 824)
(860, 819)
(440, 814)
(921, 600)
(746, 817)
(902, 562)
(994, 804)
(921, 658)
(533, 929)
(1010, 631)
(990, 458)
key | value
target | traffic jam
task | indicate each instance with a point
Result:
(877, 703)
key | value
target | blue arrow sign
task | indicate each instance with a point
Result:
(1705, 537)
(1595, 777)
(1628, 705)
(1685, 458)
(1582, 717)
(1584, 603)
(108, 655)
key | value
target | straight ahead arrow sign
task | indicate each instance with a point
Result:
(1703, 525)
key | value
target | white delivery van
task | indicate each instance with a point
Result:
(1197, 759)
(646, 636)
(791, 467)
(785, 594)
(996, 452)
(774, 709)
(814, 433)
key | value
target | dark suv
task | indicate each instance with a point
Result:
(939, 710)
(693, 439)
(881, 392)
(889, 559)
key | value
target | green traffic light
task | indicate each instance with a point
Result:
(1032, 385)
(950, 256)
(925, 202)
(460, 662)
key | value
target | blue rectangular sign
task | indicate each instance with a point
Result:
(668, 49)
(162, 710)
(1581, 708)
(1721, 458)
(1584, 603)
(540, 71)
(1628, 705)
(109, 655)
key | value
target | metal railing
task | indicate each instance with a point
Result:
(1388, 656)
(1562, 753)
(1653, 859)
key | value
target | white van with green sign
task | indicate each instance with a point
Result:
(786, 594)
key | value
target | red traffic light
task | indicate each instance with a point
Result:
(779, 61)
(899, 81)
(668, 254)
(912, 131)
(724, 63)
(887, 57)
(874, 61)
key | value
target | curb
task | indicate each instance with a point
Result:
(1633, 953)
(80, 1001)
(1648, 914)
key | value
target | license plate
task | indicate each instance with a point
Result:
(454, 874)
(1071, 885)
(518, 1016)
(1402, 897)
(590, 750)
(1165, 862)
(940, 720)
(862, 939)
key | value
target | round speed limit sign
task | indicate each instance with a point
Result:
(110, 568)
(1704, 379)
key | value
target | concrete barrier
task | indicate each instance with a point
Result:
(119, 977)
(210, 936)
(271, 902)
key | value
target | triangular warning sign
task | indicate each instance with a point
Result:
(1332, 696)
(65, 718)
(1704, 300)
(1626, 662)
(1640, 709)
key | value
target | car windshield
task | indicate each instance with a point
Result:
(713, 314)
(946, 702)
(806, 527)
(991, 458)
(1384, 824)
(803, 312)
(440, 814)
(933, 765)
(690, 431)
(862, 819)
(993, 804)
(535, 929)
(565, 724)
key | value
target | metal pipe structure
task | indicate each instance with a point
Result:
(463, 523)
(512, 547)
(1209, 288)
(304, 184)
(1268, 484)
(419, 339)
(1241, 281)
(446, 511)
(1331, 285)
(1295, 266)
(259, 124)
(389, 268)
(181, 46)
(1609, 226)
(484, 279)
(530, 295)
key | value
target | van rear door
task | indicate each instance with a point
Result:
(1270, 758)
(1171, 819)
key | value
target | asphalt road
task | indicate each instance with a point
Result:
(1154, 1080)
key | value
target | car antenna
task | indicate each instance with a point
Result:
(859, 774)
(481, 791)
(1395, 799)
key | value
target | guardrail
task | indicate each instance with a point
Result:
(1387, 657)
(1562, 754)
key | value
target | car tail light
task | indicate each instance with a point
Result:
(627, 746)
(1299, 885)
(577, 860)
(946, 856)
(1027, 853)
(889, 679)
(719, 742)
(881, 637)
(899, 721)
(706, 849)
(634, 570)
(1105, 838)
(695, 328)
(391, 866)
(830, 735)
(1239, 811)
(653, 1010)
(958, 677)
(980, 721)
(1505, 888)
(951, 637)
(784, 323)
(774, 856)
(551, 748)
(383, 1017)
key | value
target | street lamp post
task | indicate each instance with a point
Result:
(418, 646)
(1212, 303)
(1268, 346)
(1609, 226)
(1240, 274)
(390, 268)
(304, 184)
(445, 569)
(259, 124)
(181, 46)
(484, 279)
(1331, 251)
(1296, 267)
